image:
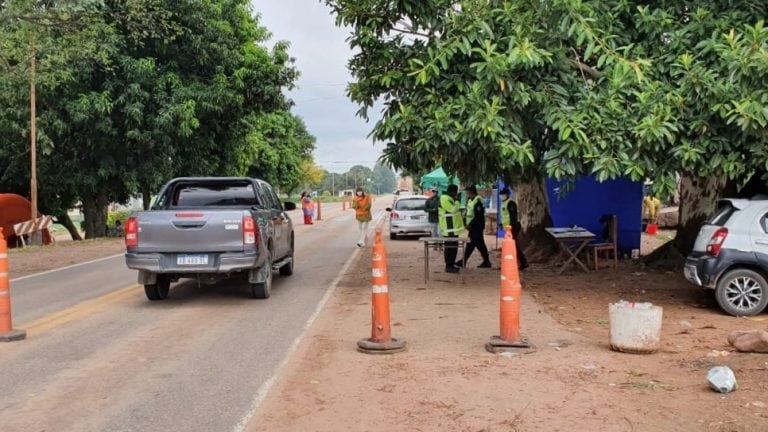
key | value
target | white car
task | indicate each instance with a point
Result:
(731, 256)
(408, 216)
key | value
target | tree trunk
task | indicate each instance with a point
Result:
(533, 210)
(95, 213)
(146, 197)
(698, 200)
(64, 220)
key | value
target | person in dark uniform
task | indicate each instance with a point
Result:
(509, 217)
(476, 226)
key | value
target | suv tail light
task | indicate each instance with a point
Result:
(250, 232)
(395, 215)
(716, 242)
(132, 232)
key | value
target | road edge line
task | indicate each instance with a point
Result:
(264, 389)
(66, 267)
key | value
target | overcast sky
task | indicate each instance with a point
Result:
(321, 53)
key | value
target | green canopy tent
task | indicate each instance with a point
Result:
(439, 179)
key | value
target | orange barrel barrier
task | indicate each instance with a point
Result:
(319, 210)
(7, 333)
(381, 340)
(509, 338)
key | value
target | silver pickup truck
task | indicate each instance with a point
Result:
(211, 228)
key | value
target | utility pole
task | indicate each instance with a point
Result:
(33, 143)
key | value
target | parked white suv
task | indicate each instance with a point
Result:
(731, 256)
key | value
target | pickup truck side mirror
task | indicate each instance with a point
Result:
(289, 206)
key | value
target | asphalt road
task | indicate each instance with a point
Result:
(100, 357)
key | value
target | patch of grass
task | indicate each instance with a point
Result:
(602, 322)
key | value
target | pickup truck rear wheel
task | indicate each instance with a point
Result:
(262, 290)
(287, 268)
(158, 290)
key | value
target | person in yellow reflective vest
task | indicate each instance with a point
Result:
(476, 226)
(509, 218)
(451, 225)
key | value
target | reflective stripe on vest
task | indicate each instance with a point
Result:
(450, 222)
(505, 222)
(471, 208)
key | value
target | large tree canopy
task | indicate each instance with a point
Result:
(564, 87)
(159, 88)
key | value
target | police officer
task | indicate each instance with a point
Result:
(451, 225)
(476, 225)
(509, 218)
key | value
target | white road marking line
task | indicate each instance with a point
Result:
(262, 392)
(67, 267)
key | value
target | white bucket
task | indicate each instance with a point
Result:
(635, 327)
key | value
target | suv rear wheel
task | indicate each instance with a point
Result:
(742, 292)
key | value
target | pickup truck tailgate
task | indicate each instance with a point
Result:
(191, 231)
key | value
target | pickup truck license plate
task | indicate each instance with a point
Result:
(192, 260)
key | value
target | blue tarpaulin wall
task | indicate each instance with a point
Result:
(590, 199)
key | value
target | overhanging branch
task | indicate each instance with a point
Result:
(585, 68)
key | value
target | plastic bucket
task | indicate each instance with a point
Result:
(635, 327)
(651, 229)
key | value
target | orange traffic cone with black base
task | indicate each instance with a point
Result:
(7, 332)
(509, 339)
(381, 340)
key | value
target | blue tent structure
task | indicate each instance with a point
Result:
(589, 199)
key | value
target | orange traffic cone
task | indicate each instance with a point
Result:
(7, 333)
(510, 293)
(319, 210)
(381, 341)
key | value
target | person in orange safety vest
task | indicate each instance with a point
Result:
(362, 206)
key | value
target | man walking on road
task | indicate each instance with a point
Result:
(451, 225)
(476, 226)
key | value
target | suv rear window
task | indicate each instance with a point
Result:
(721, 216)
(192, 195)
(411, 204)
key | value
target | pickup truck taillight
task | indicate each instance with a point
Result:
(250, 232)
(132, 232)
(716, 242)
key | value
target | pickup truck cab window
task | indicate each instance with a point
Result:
(196, 195)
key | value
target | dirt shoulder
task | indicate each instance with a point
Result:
(447, 381)
(35, 259)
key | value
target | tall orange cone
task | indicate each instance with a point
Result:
(319, 210)
(381, 340)
(509, 338)
(7, 333)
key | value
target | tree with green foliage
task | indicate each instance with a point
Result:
(384, 179)
(279, 144)
(189, 93)
(556, 88)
